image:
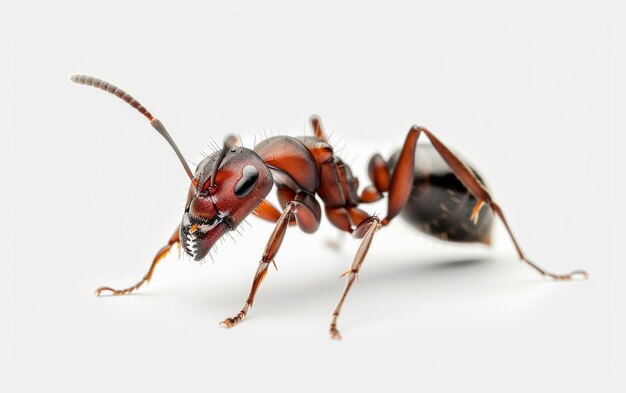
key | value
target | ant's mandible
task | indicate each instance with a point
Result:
(429, 184)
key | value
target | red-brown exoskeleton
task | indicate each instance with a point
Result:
(432, 188)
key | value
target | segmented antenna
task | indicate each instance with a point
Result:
(116, 91)
(111, 88)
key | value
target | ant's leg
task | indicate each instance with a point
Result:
(467, 177)
(344, 218)
(318, 129)
(378, 172)
(267, 212)
(159, 255)
(365, 230)
(370, 195)
(308, 219)
(402, 179)
(402, 176)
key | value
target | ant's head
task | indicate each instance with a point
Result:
(227, 186)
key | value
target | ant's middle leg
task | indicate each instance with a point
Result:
(365, 230)
(378, 172)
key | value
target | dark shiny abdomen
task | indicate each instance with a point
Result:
(440, 205)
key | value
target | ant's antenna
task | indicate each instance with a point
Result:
(116, 91)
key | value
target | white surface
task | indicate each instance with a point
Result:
(523, 91)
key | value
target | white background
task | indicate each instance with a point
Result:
(527, 92)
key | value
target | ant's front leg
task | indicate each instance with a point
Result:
(157, 258)
(307, 213)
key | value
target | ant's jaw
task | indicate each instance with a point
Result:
(198, 235)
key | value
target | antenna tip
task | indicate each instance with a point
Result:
(74, 78)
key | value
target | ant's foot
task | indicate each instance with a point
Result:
(557, 277)
(334, 333)
(113, 292)
(231, 322)
(568, 277)
(116, 292)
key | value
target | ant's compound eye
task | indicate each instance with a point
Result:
(247, 181)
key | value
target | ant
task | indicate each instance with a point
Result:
(430, 185)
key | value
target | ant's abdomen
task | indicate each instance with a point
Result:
(439, 204)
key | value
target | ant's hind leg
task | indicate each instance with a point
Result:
(366, 231)
(401, 185)
(470, 181)
(157, 258)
